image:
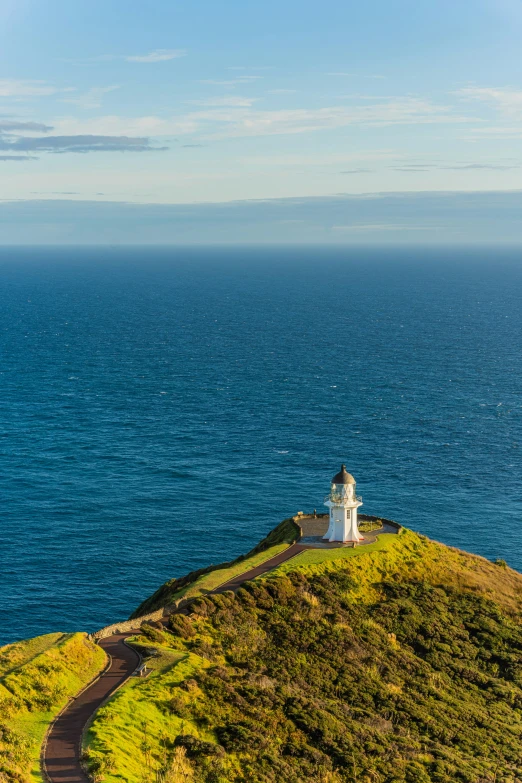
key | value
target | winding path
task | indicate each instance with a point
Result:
(236, 581)
(62, 752)
(61, 755)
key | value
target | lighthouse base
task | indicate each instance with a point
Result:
(314, 528)
(345, 531)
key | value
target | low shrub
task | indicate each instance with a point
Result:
(181, 626)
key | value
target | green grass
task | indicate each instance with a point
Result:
(198, 582)
(13, 656)
(409, 555)
(127, 738)
(214, 579)
(37, 678)
(386, 541)
(397, 661)
(366, 526)
(369, 563)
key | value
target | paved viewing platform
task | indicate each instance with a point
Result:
(315, 527)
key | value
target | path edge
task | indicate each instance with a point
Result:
(104, 702)
(43, 746)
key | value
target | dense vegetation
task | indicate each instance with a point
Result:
(397, 665)
(205, 579)
(37, 677)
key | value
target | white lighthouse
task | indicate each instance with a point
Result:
(343, 504)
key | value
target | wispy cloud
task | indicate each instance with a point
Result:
(420, 167)
(10, 131)
(508, 100)
(357, 75)
(19, 158)
(157, 56)
(221, 82)
(505, 101)
(13, 140)
(497, 132)
(10, 126)
(226, 100)
(23, 88)
(246, 79)
(115, 125)
(86, 143)
(354, 160)
(480, 166)
(356, 171)
(411, 169)
(250, 68)
(399, 111)
(92, 99)
(229, 118)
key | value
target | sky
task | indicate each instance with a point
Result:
(278, 111)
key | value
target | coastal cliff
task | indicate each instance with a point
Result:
(399, 662)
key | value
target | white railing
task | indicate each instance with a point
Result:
(337, 498)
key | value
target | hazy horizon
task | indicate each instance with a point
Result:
(334, 123)
(424, 219)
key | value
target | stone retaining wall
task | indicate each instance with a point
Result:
(136, 623)
(128, 625)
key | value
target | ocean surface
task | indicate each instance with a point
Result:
(162, 409)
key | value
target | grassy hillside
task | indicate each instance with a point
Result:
(205, 579)
(37, 677)
(396, 663)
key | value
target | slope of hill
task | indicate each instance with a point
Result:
(37, 678)
(400, 663)
(206, 579)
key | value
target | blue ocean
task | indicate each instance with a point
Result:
(162, 409)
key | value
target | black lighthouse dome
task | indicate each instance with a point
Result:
(343, 477)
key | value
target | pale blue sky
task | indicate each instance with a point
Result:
(173, 103)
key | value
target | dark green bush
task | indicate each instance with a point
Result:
(152, 633)
(181, 626)
(196, 747)
(423, 685)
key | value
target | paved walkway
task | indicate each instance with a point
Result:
(236, 582)
(63, 749)
(62, 753)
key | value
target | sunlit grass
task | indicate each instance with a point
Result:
(128, 737)
(215, 579)
(38, 676)
(414, 555)
(223, 642)
(311, 556)
(198, 583)
(12, 656)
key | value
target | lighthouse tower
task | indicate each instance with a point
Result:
(343, 504)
